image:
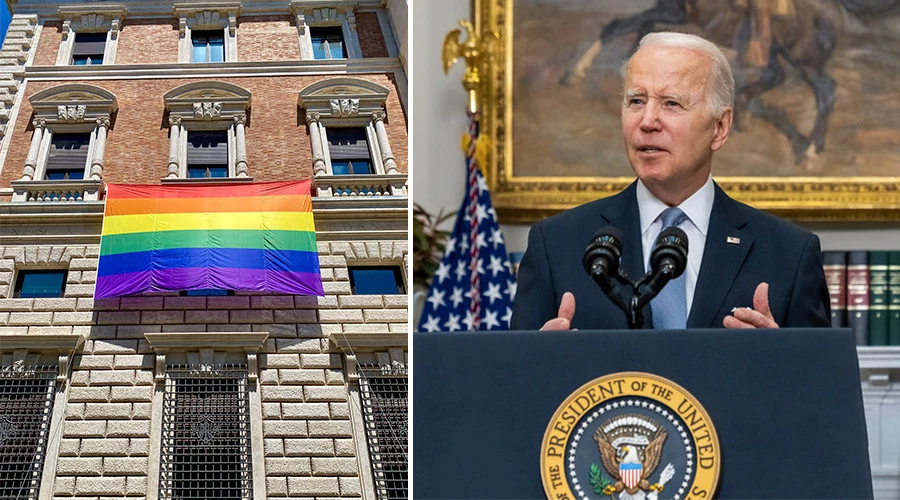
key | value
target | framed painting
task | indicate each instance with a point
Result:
(817, 109)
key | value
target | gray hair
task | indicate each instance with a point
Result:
(721, 96)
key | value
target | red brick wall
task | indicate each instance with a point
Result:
(48, 44)
(267, 38)
(371, 40)
(148, 41)
(137, 148)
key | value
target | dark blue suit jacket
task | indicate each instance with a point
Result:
(782, 254)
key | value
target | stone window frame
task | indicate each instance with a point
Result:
(38, 348)
(207, 106)
(90, 19)
(67, 108)
(318, 13)
(207, 17)
(17, 274)
(207, 349)
(347, 102)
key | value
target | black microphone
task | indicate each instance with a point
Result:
(668, 261)
(601, 259)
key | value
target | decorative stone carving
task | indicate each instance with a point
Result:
(207, 110)
(114, 29)
(92, 21)
(301, 24)
(175, 120)
(71, 113)
(207, 17)
(182, 27)
(232, 25)
(344, 108)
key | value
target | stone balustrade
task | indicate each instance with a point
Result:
(55, 191)
(361, 185)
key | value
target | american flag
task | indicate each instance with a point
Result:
(473, 288)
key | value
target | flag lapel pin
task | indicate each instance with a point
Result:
(734, 240)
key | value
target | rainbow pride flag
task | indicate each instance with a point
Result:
(239, 236)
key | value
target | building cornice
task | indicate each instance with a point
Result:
(49, 11)
(215, 70)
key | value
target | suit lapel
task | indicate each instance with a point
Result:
(722, 260)
(624, 215)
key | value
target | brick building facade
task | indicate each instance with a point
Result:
(226, 394)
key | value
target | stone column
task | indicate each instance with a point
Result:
(312, 121)
(174, 142)
(99, 147)
(240, 162)
(387, 157)
(36, 138)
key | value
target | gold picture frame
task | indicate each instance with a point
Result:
(526, 198)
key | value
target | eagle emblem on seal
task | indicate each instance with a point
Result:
(631, 449)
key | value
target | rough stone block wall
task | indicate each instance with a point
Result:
(371, 40)
(137, 147)
(306, 418)
(268, 38)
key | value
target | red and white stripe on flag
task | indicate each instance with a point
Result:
(631, 474)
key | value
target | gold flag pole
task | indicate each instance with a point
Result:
(478, 51)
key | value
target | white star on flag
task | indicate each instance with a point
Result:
(453, 308)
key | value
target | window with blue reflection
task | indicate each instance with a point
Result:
(40, 284)
(206, 292)
(348, 167)
(209, 46)
(66, 174)
(372, 280)
(207, 172)
(328, 42)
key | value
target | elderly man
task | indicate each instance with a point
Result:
(745, 269)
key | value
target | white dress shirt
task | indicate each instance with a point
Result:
(697, 208)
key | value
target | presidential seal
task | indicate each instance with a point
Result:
(630, 436)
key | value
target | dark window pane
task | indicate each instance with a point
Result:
(218, 172)
(197, 172)
(376, 280)
(349, 151)
(40, 284)
(68, 152)
(208, 46)
(206, 292)
(69, 174)
(199, 54)
(88, 48)
(217, 49)
(356, 166)
(207, 150)
(328, 42)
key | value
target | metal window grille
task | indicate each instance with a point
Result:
(26, 406)
(384, 393)
(206, 434)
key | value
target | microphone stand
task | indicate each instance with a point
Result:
(631, 297)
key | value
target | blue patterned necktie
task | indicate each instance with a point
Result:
(669, 308)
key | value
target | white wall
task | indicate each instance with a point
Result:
(439, 104)
(439, 120)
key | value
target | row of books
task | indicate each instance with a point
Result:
(864, 286)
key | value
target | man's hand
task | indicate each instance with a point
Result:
(563, 321)
(758, 317)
